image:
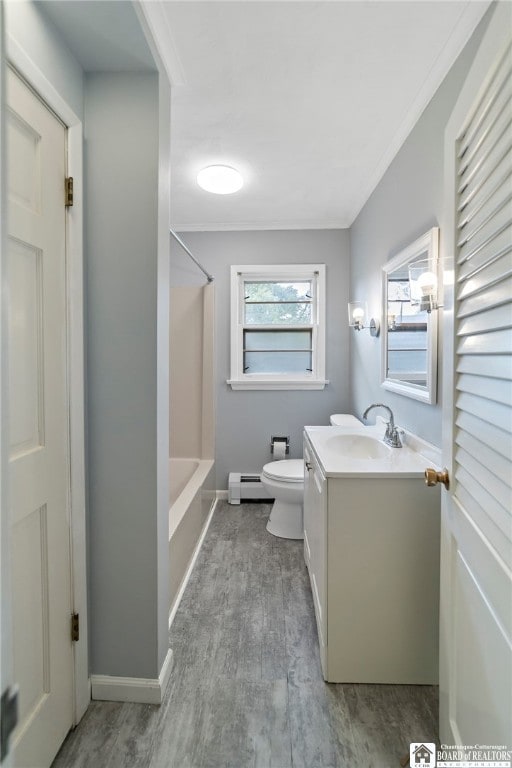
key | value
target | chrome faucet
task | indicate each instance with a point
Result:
(391, 435)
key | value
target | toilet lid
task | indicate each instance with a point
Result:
(288, 470)
(344, 420)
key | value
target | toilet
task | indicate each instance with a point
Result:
(284, 481)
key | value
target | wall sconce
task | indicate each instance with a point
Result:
(358, 318)
(423, 285)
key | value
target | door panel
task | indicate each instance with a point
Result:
(481, 631)
(26, 407)
(31, 620)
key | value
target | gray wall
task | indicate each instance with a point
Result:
(162, 362)
(245, 420)
(28, 25)
(121, 168)
(406, 203)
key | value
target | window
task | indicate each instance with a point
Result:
(278, 327)
(407, 335)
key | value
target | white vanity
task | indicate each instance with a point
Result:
(371, 544)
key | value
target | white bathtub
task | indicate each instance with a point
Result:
(191, 496)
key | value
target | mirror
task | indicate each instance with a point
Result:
(409, 325)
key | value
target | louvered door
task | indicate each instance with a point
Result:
(476, 607)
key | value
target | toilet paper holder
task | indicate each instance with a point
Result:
(280, 439)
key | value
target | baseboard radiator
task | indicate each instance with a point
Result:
(243, 486)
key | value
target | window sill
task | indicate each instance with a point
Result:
(281, 384)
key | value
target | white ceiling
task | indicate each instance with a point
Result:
(309, 100)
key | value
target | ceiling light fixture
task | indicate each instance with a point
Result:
(220, 179)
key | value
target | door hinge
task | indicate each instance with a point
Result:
(8, 718)
(68, 191)
(75, 627)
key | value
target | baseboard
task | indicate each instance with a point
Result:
(192, 562)
(222, 495)
(133, 689)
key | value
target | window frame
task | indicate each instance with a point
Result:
(286, 273)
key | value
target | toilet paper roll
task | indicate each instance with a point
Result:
(279, 450)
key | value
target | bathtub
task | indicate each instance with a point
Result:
(191, 497)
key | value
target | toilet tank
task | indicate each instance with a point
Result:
(344, 420)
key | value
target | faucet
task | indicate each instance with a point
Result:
(391, 435)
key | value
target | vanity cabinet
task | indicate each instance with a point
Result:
(371, 545)
(315, 537)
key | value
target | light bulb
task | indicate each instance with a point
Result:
(427, 282)
(358, 314)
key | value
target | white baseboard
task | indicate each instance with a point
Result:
(222, 495)
(134, 689)
(192, 562)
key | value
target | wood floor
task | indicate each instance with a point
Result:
(246, 687)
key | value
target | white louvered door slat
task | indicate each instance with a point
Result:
(484, 478)
(483, 250)
(486, 433)
(494, 343)
(492, 296)
(497, 415)
(477, 195)
(495, 389)
(477, 502)
(497, 317)
(476, 558)
(486, 214)
(489, 198)
(498, 366)
(498, 94)
(477, 173)
(492, 271)
(493, 460)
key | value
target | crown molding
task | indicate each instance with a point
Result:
(256, 226)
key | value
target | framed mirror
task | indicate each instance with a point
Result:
(409, 323)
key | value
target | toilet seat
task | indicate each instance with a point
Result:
(286, 470)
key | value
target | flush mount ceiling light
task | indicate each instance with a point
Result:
(220, 179)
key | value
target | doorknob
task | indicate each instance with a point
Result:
(432, 477)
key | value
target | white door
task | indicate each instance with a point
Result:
(38, 427)
(476, 556)
(5, 602)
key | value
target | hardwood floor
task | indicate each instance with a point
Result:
(246, 687)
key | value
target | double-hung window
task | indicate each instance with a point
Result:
(278, 326)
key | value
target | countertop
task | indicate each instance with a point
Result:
(396, 462)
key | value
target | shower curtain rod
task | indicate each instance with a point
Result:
(180, 241)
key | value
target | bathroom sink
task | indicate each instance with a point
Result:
(358, 446)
